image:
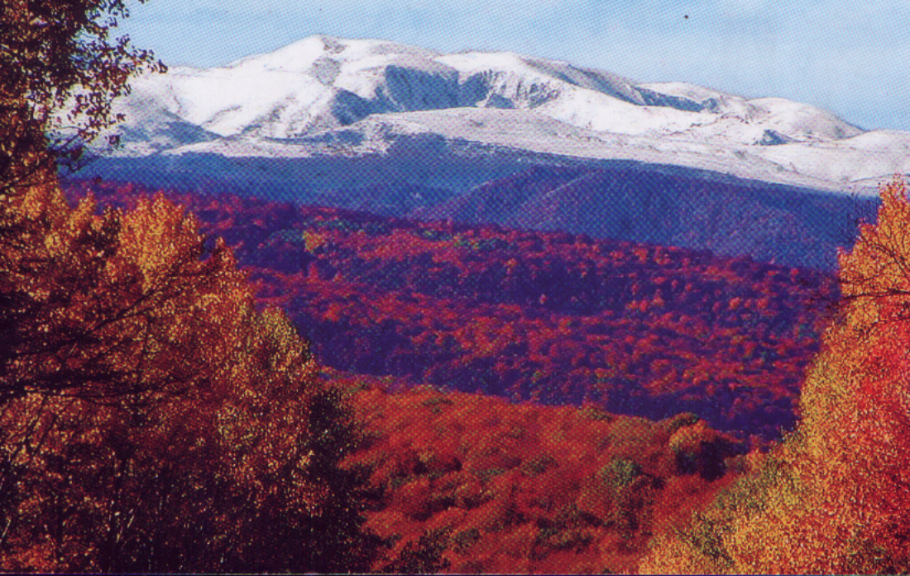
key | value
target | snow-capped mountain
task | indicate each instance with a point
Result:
(331, 96)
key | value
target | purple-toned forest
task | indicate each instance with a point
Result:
(635, 329)
(558, 394)
(355, 306)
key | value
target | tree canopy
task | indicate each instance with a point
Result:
(152, 417)
(834, 496)
(60, 69)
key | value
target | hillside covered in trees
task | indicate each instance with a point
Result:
(637, 329)
(155, 417)
(160, 412)
(832, 498)
(475, 484)
(465, 482)
(119, 396)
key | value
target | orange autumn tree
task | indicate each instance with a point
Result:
(835, 496)
(151, 419)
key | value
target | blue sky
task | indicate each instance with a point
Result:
(848, 56)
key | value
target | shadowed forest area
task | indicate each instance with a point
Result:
(637, 329)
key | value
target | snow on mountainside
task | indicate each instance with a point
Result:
(867, 158)
(485, 130)
(325, 95)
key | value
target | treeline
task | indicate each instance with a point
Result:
(558, 318)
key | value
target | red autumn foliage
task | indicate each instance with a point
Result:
(501, 487)
(554, 317)
(833, 497)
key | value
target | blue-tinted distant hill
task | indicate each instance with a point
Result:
(624, 200)
(500, 137)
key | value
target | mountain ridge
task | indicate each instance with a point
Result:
(409, 132)
(275, 103)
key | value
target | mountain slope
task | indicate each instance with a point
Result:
(521, 141)
(669, 206)
(327, 87)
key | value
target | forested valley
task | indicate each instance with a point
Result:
(610, 406)
(527, 421)
(200, 382)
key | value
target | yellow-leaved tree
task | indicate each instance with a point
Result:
(834, 497)
(151, 418)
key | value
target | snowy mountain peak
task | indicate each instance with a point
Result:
(302, 56)
(322, 84)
